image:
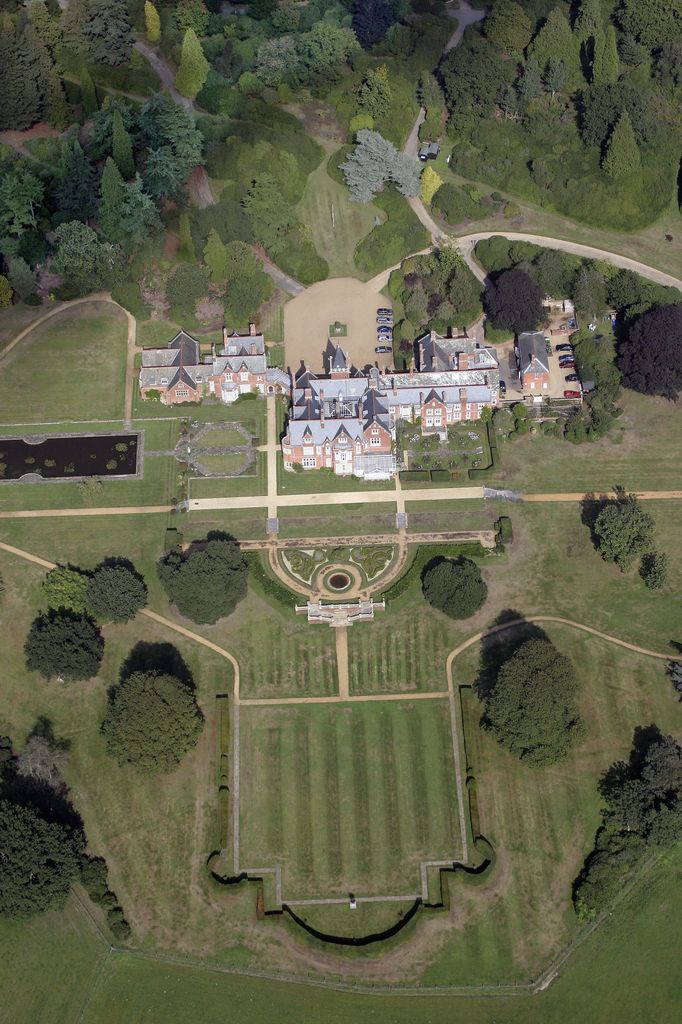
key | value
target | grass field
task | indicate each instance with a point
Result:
(642, 452)
(542, 821)
(347, 799)
(72, 367)
(14, 319)
(408, 653)
(252, 482)
(352, 221)
(318, 481)
(222, 437)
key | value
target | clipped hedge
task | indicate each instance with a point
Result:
(484, 472)
(504, 525)
(411, 475)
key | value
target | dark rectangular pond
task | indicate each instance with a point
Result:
(68, 456)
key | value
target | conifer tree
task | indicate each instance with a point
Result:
(74, 20)
(122, 147)
(152, 22)
(112, 190)
(193, 66)
(622, 156)
(186, 247)
(215, 257)
(589, 20)
(108, 32)
(76, 191)
(605, 61)
(56, 107)
(556, 40)
(88, 92)
(431, 181)
(47, 25)
(18, 81)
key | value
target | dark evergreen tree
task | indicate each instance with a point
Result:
(116, 591)
(40, 859)
(207, 582)
(76, 189)
(65, 644)
(122, 147)
(455, 587)
(108, 32)
(112, 192)
(371, 21)
(73, 22)
(152, 721)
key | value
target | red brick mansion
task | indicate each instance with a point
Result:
(345, 419)
(178, 373)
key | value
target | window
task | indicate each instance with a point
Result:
(181, 393)
(375, 441)
(244, 375)
(309, 463)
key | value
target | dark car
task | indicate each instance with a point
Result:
(571, 394)
(564, 348)
(503, 388)
(384, 319)
(381, 349)
(572, 378)
(382, 311)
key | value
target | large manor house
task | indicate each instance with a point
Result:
(343, 419)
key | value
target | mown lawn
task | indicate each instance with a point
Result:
(72, 367)
(315, 481)
(348, 799)
(14, 319)
(643, 451)
(541, 821)
(252, 482)
(336, 241)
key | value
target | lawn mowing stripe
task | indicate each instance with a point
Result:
(420, 810)
(331, 789)
(303, 840)
(318, 725)
(361, 792)
(444, 772)
(392, 836)
(273, 796)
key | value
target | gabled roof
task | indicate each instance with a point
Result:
(182, 350)
(339, 360)
(532, 352)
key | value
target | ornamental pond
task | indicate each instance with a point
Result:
(69, 456)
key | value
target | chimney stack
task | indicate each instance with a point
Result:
(321, 407)
(224, 336)
(252, 330)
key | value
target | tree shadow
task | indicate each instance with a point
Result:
(49, 802)
(591, 505)
(163, 658)
(119, 562)
(499, 647)
(44, 728)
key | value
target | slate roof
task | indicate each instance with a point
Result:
(532, 352)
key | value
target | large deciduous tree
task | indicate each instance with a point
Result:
(208, 581)
(454, 587)
(64, 587)
(152, 721)
(40, 859)
(532, 707)
(64, 643)
(514, 301)
(85, 262)
(508, 27)
(623, 530)
(650, 354)
(651, 22)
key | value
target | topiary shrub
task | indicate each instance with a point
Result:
(455, 587)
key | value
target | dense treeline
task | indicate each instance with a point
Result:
(575, 107)
(643, 351)
(642, 814)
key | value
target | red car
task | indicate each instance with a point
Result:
(571, 394)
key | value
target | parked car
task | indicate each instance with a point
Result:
(573, 323)
(565, 347)
(381, 349)
(383, 311)
(571, 394)
(383, 329)
(569, 364)
(572, 378)
(384, 319)
(429, 151)
(503, 388)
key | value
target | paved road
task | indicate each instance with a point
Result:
(339, 498)
(165, 74)
(286, 282)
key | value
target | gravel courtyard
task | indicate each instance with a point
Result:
(307, 318)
